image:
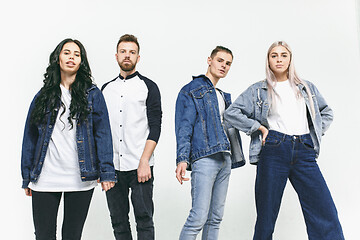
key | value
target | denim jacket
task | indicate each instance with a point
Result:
(251, 109)
(93, 137)
(198, 127)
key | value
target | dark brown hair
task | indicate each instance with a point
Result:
(128, 38)
(220, 49)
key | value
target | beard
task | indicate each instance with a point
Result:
(127, 67)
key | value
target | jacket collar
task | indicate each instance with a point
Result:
(205, 78)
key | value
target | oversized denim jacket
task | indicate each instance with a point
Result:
(251, 109)
(93, 137)
(198, 127)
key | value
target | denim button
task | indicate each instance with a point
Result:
(50, 126)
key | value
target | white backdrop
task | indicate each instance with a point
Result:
(176, 38)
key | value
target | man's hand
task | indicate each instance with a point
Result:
(143, 171)
(180, 172)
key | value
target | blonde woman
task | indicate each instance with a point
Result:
(286, 117)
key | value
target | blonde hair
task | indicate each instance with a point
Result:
(291, 74)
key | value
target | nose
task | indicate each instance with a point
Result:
(278, 59)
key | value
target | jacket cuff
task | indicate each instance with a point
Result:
(25, 183)
(254, 128)
(182, 159)
(108, 177)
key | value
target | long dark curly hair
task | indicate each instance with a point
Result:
(50, 94)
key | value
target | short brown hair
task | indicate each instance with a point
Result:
(220, 49)
(128, 38)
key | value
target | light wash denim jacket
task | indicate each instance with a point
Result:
(251, 109)
(198, 127)
(93, 138)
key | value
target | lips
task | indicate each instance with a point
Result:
(279, 66)
(70, 63)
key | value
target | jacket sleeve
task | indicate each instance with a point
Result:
(241, 113)
(185, 116)
(30, 139)
(153, 111)
(103, 138)
(326, 112)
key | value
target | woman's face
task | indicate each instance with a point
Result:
(279, 60)
(70, 58)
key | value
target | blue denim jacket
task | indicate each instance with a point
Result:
(251, 109)
(93, 137)
(198, 127)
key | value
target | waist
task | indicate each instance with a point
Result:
(286, 137)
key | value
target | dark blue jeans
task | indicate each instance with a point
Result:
(45, 209)
(141, 199)
(286, 157)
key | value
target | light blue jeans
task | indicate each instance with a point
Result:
(209, 183)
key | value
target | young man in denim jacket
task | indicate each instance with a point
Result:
(203, 146)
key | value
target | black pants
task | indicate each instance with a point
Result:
(141, 199)
(45, 209)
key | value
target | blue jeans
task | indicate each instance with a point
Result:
(286, 157)
(141, 199)
(209, 183)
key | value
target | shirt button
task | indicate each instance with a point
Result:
(120, 140)
(121, 96)
(120, 110)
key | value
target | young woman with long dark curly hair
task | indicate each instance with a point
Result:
(67, 143)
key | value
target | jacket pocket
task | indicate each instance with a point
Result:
(200, 97)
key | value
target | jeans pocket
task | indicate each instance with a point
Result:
(272, 141)
(307, 143)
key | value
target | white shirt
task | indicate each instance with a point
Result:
(221, 104)
(288, 114)
(61, 171)
(126, 103)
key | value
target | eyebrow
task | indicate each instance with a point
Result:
(68, 50)
(280, 53)
(125, 49)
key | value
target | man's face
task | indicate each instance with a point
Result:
(220, 64)
(127, 56)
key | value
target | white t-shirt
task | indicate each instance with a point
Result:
(288, 114)
(221, 104)
(61, 171)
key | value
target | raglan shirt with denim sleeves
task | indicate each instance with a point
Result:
(134, 105)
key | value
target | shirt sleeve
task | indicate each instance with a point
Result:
(153, 110)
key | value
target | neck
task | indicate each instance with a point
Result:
(213, 79)
(281, 77)
(67, 80)
(125, 74)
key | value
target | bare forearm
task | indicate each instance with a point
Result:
(148, 151)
